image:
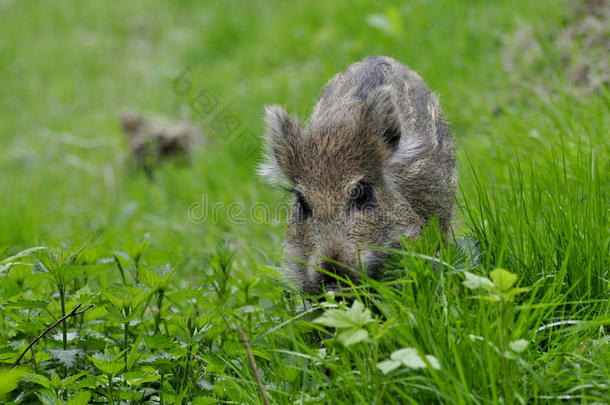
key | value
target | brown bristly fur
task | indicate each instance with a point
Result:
(374, 162)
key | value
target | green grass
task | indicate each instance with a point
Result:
(171, 294)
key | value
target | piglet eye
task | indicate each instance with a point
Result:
(303, 209)
(362, 196)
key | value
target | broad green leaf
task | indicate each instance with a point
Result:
(42, 355)
(90, 342)
(125, 297)
(80, 398)
(160, 359)
(66, 382)
(409, 357)
(88, 381)
(175, 353)
(39, 379)
(388, 366)
(510, 294)
(66, 357)
(518, 345)
(352, 336)
(158, 277)
(135, 248)
(474, 282)
(503, 279)
(47, 398)
(510, 355)
(40, 267)
(23, 253)
(158, 341)
(115, 298)
(433, 362)
(5, 268)
(355, 317)
(107, 364)
(134, 354)
(491, 298)
(74, 255)
(55, 381)
(68, 272)
(9, 379)
(142, 375)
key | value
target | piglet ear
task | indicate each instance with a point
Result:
(283, 132)
(381, 117)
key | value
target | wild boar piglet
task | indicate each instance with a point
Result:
(375, 161)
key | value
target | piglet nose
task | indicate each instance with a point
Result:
(330, 279)
(333, 264)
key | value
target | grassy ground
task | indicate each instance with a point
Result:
(171, 291)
